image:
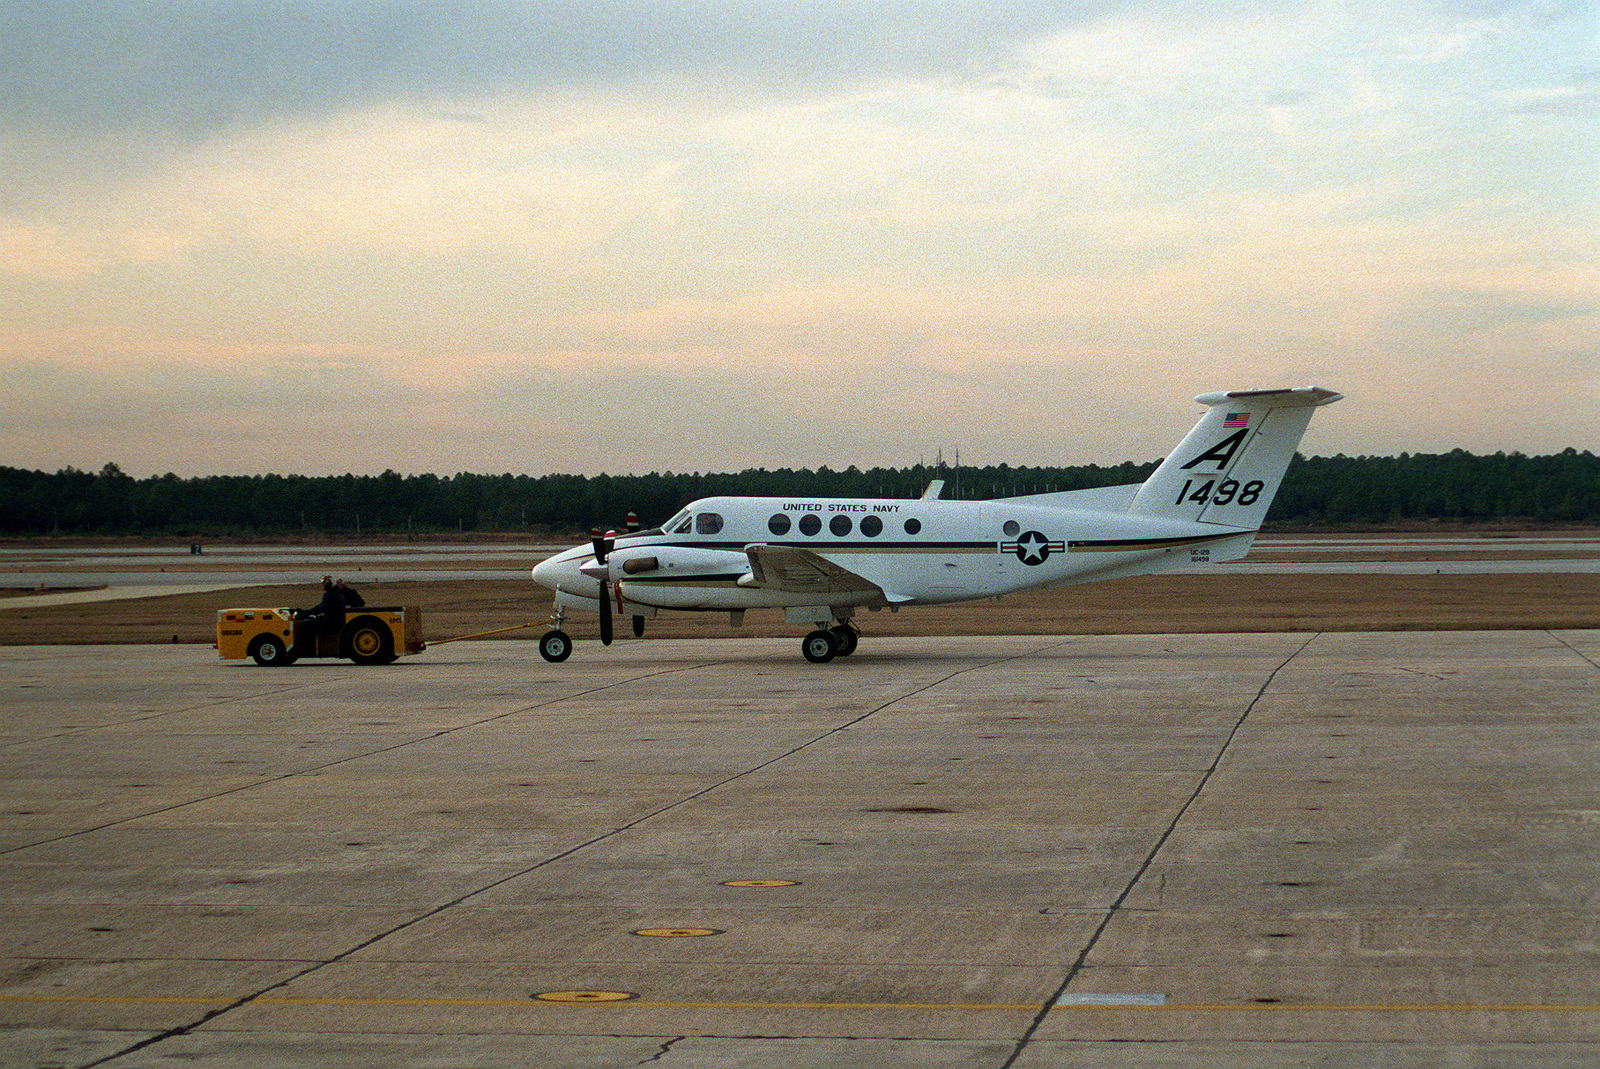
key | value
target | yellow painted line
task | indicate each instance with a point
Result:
(141, 1000)
(976, 1007)
(983, 1007)
(534, 1000)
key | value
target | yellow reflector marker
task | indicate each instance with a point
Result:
(674, 933)
(584, 996)
(761, 883)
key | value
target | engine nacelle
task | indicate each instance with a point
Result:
(659, 563)
(675, 576)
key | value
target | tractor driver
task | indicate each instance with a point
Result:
(326, 619)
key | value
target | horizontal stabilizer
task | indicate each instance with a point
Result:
(1295, 397)
(1230, 466)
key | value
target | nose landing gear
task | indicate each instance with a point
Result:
(555, 645)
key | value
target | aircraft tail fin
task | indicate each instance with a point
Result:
(1228, 468)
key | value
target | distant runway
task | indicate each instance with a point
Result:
(140, 571)
(1142, 850)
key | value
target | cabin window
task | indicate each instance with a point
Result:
(1012, 528)
(779, 524)
(708, 523)
(810, 524)
(913, 525)
(871, 526)
(840, 525)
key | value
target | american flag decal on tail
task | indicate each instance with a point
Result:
(1234, 420)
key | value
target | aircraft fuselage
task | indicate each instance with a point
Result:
(914, 551)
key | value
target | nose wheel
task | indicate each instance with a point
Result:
(555, 646)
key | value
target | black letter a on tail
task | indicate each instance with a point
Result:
(1222, 452)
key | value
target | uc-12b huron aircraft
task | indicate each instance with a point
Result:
(821, 559)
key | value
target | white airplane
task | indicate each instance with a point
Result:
(822, 559)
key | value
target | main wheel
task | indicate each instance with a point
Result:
(268, 651)
(369, 641)
(844, 640)
(555, 646)
(818, 647)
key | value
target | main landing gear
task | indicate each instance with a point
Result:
(824, 644)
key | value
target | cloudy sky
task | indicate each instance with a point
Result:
(319, 236)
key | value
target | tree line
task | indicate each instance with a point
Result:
(1338, 490)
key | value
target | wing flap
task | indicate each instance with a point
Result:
(800, 571)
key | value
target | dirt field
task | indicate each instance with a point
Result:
(1145, 605)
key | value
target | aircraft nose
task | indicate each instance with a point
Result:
(562, 572)
(547, 573)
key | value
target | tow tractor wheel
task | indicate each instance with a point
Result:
(844, 640)
(555, 646)
(267, 651)
(818, 647)
(370, 641)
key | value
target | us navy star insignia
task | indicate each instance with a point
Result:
(1033, 548)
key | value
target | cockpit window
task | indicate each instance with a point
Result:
(678, 524)
(707, 523)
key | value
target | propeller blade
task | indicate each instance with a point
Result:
(605, 615)
(603, 544)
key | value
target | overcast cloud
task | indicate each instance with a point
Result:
(634, 237)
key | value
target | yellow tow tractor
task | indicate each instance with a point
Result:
(371, 635)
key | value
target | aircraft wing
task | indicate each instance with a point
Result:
(802, 571)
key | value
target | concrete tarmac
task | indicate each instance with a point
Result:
(1356, 849)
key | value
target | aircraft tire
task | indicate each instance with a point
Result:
(555, 646)
(845, 640)
(818, 647)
